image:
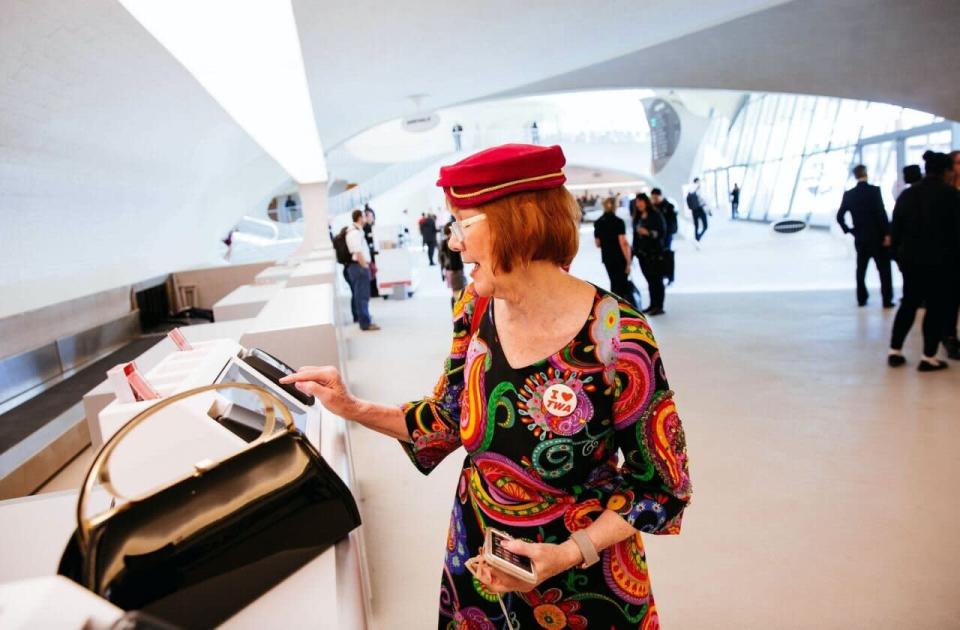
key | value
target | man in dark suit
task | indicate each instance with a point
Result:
(871, 234)
(926, 241)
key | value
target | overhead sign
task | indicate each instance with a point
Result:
(664, 124)
(419, 123)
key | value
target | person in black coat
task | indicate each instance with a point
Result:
(871, 234)
(649, 231)
(610, 235)
(669, 214)
(926, 243)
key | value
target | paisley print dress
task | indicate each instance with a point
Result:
(539, 477)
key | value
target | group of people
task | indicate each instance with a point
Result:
(653, 224)
(923, 238)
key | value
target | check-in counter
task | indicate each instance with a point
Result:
(322, 254)
(100, 396)
(298, 326)
(244, 302)
(276, 274)
(327, 592)
(313, 272)
(395, 272)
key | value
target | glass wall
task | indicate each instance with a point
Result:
(792, 155)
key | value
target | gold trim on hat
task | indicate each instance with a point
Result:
(484, 191)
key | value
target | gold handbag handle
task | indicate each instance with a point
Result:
(99, 472)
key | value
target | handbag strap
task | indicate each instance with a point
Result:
(480, 307)
(99, 472)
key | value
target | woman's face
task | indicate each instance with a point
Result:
(475, 247)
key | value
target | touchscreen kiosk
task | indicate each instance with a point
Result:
(244, 415)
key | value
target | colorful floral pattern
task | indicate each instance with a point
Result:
(539, 476)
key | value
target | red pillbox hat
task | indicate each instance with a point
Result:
(501, 171)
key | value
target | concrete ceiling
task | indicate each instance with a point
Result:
(365, 58)
(906, 53)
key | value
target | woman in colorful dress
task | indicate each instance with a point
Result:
(557, 392)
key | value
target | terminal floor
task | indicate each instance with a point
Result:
(824, 481)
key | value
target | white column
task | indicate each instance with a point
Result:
(313, 200)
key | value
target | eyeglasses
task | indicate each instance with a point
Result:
(457, 227)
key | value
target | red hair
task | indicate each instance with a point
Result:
(531, 226)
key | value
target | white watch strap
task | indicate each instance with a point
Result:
(587, 550)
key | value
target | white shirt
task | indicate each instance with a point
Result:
(355, 242)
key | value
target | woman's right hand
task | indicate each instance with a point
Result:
(326, 384)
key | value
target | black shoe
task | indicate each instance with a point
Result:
(889, 305)
(932, 367)
(861, 304)
(895, 360)
(656, 311)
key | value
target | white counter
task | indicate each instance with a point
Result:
(298, 327)
(244, 302)
(327, 592)
(313, 272)
(100, 396)
(274, 274)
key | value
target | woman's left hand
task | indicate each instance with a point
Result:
(548, 560)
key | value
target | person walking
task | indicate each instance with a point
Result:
(952, 317)
(452, 265)
(649, 231)
(358, 272)
(871, 234)
(735, 201)
(610, 235)
(370, 220)
(558, 392)
(669, 214)
(925, 238)
(699, 210)
(428, 230)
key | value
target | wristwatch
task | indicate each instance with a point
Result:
(587, 550)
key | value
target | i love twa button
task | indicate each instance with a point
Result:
(559, 400)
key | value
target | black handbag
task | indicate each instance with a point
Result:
(202, 548)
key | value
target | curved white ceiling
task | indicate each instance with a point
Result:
(365, 58)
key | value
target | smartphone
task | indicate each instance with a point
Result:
(497, 556)
(275, 369)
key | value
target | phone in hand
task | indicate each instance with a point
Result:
(275, 369)
(496, 555)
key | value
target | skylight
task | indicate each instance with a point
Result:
(247, 56)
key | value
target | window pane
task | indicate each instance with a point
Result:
(748, 191)
(849, 123)
(749, 131)
(880, 118)
(880, 158)
(783, 190)
(761, 140)
(912, 118)
(781, 125)
(824, 117)
(823, 178)
(799, 125)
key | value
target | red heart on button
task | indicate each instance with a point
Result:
(566, 396)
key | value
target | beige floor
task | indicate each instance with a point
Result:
(824, 482)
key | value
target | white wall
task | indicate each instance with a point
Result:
(115, 165)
